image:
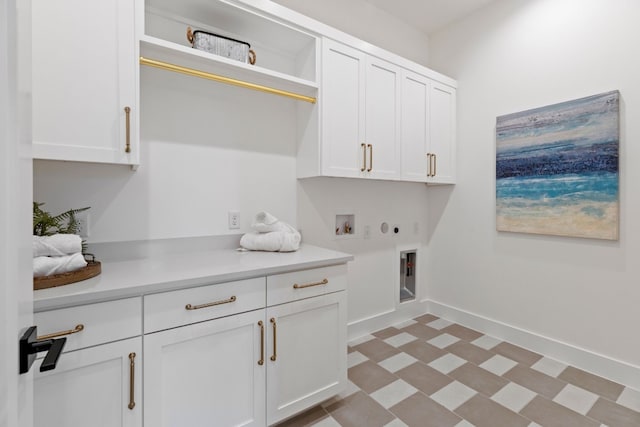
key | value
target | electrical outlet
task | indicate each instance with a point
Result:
(83, 224)
(234, 220)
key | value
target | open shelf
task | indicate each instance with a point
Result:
(286, 57)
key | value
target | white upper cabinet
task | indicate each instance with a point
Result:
(359, 114)
(442, 131)
(379, 120)
(84, 81)
(343, 149)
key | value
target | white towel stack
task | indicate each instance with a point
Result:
(60, 253)
(271, 235)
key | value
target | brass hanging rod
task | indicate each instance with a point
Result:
(222, 79)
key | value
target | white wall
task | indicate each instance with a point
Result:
(512, 56)
(367, 22)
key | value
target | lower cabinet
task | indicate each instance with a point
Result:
(98, 386)
(206, 374)
(307, 346)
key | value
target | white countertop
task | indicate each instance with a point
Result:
(160, 273)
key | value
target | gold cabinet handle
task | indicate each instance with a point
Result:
(132, 372)
(211, 304)
(370, 157)
(308, 285)
(364, 157)
(127, 113)
(79, 328)
(435, 164)
(274, 355)
(261, 361)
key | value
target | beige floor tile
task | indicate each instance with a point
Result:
(360, 340)
(426, 318)
(424, 378)
(447, 363)
(478, 379)
(541, 383)
(453, 395)
(370, 377)
(487, 342)
(376, 350)
(393, 393)
(483, 412)
(630, 398)
(439, 324)
(550, 414)
(396, 423)
(514, 396)
(498, 364)
(360, 410)
(386, 333)
(519, 354)
(421, 331)
(613, 414)
(548, 366)
(397, 362)
(400, 339)
(462, 332)
(420, 411)
(354, 358)
(307, 418)
(470, 352)
(423, 351)
(576, 398)
(598, 385)
(443, 340)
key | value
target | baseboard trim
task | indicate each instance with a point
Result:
(405, 311)
(615, 370)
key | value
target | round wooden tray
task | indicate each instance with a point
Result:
(92, 269)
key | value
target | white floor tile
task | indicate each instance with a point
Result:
(576, 398)
(355, 358)
(404, 325)
(396, 423)
(397, 362)
(514, 396)
(393, 393)
(453, 395)
(498, 364)
(534, 425)
(400, 339)
(486, 341)
(548, 366)
(630, 398)
(447, 363)
(327, 422)
(444, 340)
(464, 423)
(439, 324)
(361, 340)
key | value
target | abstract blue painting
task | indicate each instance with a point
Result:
(557, 169)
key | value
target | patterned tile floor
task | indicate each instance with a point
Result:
(431, 372)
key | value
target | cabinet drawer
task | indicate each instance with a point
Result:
(95, 323)
(298, 285)
(177, 308)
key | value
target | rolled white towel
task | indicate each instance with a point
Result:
(47, 266)
(275, 241)
(264, 222)
(56, 245)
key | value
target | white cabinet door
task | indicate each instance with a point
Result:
(415, 126)
(307, 354)
(91, 387)
(442, 124)
(382, 109)
(206, 374)
(342, 110)
(84, 77)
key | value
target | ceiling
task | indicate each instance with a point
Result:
(429, 16)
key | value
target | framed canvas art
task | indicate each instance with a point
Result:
(557, 169)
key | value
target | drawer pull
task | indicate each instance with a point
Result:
(78, 328)
(132, 372)
(127, 112)
(308, 285)
(364, 157)
(261, 361)
(211, 304)
(274, 355)
(370, 168)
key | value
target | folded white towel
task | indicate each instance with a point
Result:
(46, 265)
(275, 241)
(56, 245)
(265, 223)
